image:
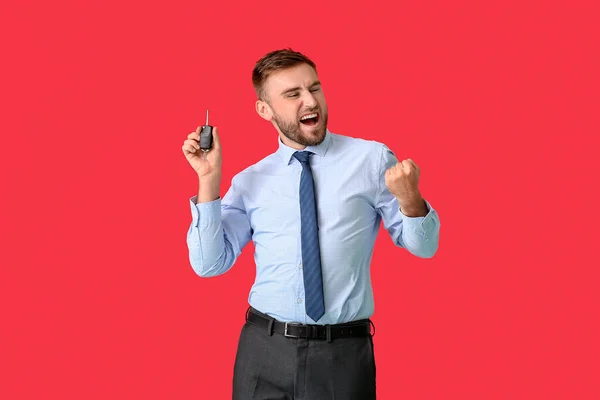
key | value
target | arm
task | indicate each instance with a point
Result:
(219, 230)
(418, 230)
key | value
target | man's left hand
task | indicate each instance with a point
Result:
(402, 181)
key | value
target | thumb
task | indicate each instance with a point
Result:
(216, 140)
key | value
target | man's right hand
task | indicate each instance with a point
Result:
(208, 168)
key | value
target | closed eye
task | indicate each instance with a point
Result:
(294, 94)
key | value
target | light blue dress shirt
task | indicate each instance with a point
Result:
(262, 205)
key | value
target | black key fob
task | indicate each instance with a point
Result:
(206, 138)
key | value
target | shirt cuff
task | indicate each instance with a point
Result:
(205, 214)
(423, 225)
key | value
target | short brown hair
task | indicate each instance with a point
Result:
(275, 61)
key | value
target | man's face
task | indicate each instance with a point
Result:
(297, 104)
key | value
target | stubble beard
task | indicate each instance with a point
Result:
(293, 131)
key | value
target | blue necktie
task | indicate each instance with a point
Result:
(311, 257)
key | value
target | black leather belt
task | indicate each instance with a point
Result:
(360, 328)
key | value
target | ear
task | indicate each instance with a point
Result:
(264, 110)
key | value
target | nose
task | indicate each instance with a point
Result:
(308, 99)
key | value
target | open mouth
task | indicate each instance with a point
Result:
(310, 119)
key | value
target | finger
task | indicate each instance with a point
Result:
(394, 171)
(414, 164)
(188, 148)
(194, 135)
(216, 140)
(192, 143)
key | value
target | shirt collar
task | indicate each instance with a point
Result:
(287, 152)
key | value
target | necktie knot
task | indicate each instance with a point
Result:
(302, 156)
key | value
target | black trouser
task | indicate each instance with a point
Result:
(276, 367)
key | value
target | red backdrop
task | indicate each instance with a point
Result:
(497, 103)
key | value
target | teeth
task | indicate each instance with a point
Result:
(309, 116)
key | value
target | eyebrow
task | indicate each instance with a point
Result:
(298, 88)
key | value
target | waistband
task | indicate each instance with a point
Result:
(359, 328)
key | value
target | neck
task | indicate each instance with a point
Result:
(290, 143)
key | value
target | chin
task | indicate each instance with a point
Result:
(315, 136)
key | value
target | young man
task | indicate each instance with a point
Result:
(313, 210)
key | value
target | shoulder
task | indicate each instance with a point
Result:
(265, 166)
(373, 149)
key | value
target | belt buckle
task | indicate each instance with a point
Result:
(285, 330)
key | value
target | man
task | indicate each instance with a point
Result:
(313, 210)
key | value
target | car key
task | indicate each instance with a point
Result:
(206, 137)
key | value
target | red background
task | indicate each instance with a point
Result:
(497, 103)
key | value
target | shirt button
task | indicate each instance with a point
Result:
(300, 265)
(299, 301)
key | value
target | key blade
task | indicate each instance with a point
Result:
(207, 117)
